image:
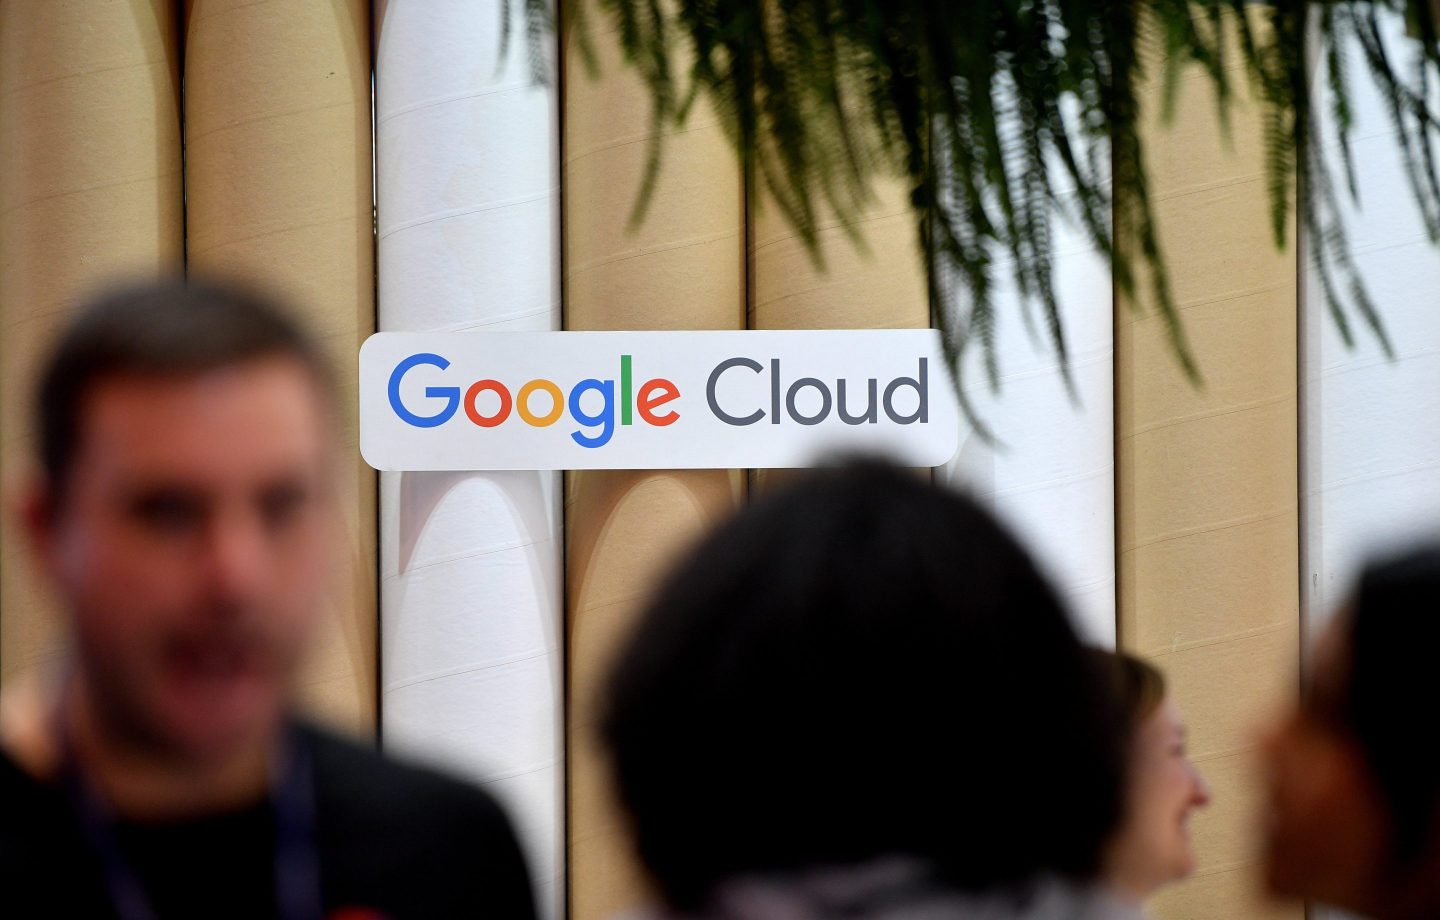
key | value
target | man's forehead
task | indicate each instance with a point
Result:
(245, 417)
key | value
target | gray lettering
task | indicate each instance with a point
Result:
(799, 385)
(720, 413)
(870, 411)
(922, 387)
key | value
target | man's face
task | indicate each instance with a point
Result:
(192, 546)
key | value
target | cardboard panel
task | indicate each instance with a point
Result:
(278, 192)
(877, 285)
(624, 531)
(1207, 486)
(682, 268)
(89, 192)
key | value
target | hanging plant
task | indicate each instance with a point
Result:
(1004, 115)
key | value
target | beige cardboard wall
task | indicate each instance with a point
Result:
(682, 269)
(278, 191)
(89, 191)
(1207, 480)
(877, 285)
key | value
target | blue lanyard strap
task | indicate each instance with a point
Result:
(292, 796)
(297, 860)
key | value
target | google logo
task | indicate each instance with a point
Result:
(652, 394)
(541, 402)
(649, 399)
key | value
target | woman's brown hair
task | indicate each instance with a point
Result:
(1139, 686)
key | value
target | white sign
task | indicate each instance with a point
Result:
(653, 400)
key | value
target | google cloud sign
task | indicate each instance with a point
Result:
(653, 400)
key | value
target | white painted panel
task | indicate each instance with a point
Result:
(468, 227)
(1050, 472)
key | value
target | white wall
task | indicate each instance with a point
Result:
(1050, 472)
(468, 230)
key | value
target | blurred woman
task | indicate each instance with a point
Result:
(859, 698)
(1354, 770)
(1152, 847)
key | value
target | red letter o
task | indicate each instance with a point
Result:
(499, 390)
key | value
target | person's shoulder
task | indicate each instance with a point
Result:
(29, 796)
(26, 736)
(44, 864)
(20, 792)
(350, 773)
(409, 840)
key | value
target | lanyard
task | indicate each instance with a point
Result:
(292, 796)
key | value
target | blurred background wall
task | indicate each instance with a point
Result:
(278, 192)
(1207, 479)
(90, 190)
(1208, 528)
(683, 268)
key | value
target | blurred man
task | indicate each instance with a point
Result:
(185, 516)
(1355, 770)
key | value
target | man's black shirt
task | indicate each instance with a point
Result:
(393, 842)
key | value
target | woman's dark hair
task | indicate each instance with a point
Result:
(862, 664)
(1140, 685)
(1394, 626)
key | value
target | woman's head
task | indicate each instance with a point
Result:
(1139, 685)
(1152, 846)
(857, 665)
(1355, 769)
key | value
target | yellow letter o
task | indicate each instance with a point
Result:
(522, 403)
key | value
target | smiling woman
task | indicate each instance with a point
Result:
(1152, 847)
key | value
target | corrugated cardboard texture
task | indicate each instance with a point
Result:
(1207, 487)
(278, 191)
(624, 531)
(89, 190)
(879, 284)
(683, 268)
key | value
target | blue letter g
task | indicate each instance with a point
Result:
(450, 394)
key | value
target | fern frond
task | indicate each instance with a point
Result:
(1001, 115)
